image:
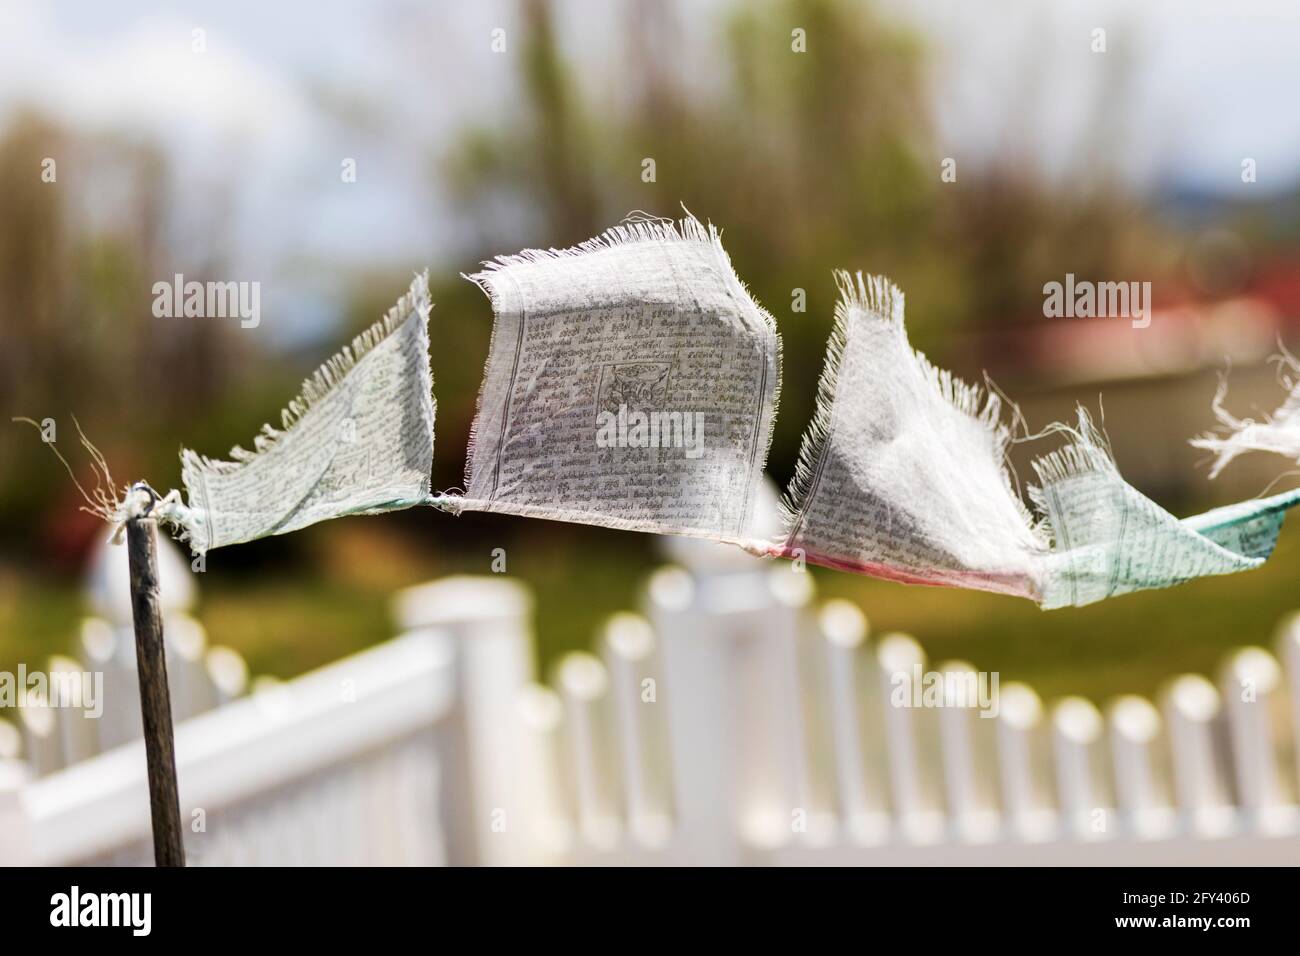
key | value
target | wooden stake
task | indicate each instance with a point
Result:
(155, 700)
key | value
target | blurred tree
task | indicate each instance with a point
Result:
(812, 159)
(78, 335)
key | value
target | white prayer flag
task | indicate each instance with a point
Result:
(631, 383)
(357, 440)
(902, 473)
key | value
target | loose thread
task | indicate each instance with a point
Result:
(135, 500)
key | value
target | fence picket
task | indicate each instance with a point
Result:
(856, 707)
(969, 758)
(1139, 751)
(911, 736)
(1253, 686)
(588, 712)
(630, 654)
(487, 619)
(77, 730)
(550, 816)
(1023, 759)
(191, 687)
(1192, 710)
(1084, 793)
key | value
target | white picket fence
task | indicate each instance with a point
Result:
(365, 761)
(773, 739)
(732, 722)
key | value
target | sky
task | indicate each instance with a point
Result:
(1210, 83)
(283, 93)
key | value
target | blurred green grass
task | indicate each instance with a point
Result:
(287, 621)
(1128, 644)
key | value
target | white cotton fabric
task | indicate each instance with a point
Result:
(647, 324)
(357, 440)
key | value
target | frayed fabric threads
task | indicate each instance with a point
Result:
(631, 382)
(902, 475)
(357, 440)
(1110, 539)
(1278, 433)
(105, 502)
(168, 510)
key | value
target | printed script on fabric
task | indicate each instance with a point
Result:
(902, 475)
(359, 439)
(1110, 539)
(631, 383)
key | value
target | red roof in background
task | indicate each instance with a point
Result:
(1187, 333)
(1278, 283)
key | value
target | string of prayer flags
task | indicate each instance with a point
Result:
(902, 475)
(357, 440)
(1278, 433)
(631, 382)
